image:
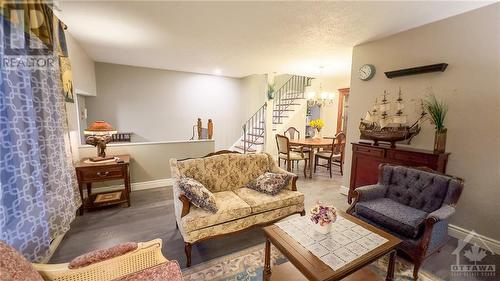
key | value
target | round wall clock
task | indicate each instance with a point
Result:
(366, 72)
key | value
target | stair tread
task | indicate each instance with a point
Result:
(283, 116)
(287, 104)
(253, 142)
(255, 135)
(283, 110)
(248, 149)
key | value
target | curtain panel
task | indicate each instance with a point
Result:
(38, 190)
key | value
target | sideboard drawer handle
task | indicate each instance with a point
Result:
(103, 174)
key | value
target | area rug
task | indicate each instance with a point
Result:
(247, 265)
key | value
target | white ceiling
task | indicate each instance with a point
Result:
(242, 38)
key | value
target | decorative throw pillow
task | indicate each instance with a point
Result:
(198, 194)
(102, 255)
(14, 267)
(270, 183)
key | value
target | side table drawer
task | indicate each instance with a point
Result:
(410, 158)
(377, 152)
(101, 173)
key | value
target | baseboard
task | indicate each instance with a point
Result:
(136, 186)
(482, 241)
(344, 190)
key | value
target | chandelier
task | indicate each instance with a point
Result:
(319, 97)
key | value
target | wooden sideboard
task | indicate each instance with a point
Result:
(366, 158)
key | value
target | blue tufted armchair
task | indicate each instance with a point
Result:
(411, 203)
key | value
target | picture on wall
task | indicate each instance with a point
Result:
(67, 79)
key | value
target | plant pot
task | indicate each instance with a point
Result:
(323, 229)
(440, 140)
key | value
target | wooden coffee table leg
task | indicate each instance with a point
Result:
(390, 266)
(267, 261)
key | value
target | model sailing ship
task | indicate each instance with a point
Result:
(387, 122)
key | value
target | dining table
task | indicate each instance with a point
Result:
(313, 144)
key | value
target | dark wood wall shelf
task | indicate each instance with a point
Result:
(417, 70)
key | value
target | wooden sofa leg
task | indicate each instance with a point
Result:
(303, 213)
(187, 250)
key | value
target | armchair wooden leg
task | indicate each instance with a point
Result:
(279, 162)
(187, 250)
(416, 268)
(303, 213)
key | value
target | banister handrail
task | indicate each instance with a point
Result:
(254, 129)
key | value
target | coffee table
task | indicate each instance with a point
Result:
(313, 268)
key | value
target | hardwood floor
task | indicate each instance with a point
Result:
(152, 216)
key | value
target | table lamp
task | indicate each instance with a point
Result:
(99, 134)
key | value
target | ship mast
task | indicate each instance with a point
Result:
(399, 118)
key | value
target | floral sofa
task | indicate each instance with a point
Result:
(225, 174)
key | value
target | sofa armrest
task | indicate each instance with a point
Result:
(442, 213)
(370, 192)
(292, 185)
(185, 205)
(366, 193)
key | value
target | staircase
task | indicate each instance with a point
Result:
(285, 98)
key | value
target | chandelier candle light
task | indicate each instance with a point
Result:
(99, 134)
(323, 216)
(319, 97)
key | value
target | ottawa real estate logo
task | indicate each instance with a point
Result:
(470, 258)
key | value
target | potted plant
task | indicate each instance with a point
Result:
(436, 111)
(317, 124)
(323, 216)
(270, 91)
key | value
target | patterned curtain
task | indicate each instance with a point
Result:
(38, 190)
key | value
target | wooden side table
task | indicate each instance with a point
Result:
(88, 173)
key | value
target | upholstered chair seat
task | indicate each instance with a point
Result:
(393, 215)
(294, 155)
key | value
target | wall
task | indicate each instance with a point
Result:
(150, 161)
(470, 44)
(82, 67)
(163, 105)
(253, 90)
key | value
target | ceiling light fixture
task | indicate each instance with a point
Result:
(319, 97)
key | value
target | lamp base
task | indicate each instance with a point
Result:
(99, 158)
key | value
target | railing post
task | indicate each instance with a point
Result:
(244, 138)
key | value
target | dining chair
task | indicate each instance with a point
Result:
(293, 133)
(285, 153)
(334, 156)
